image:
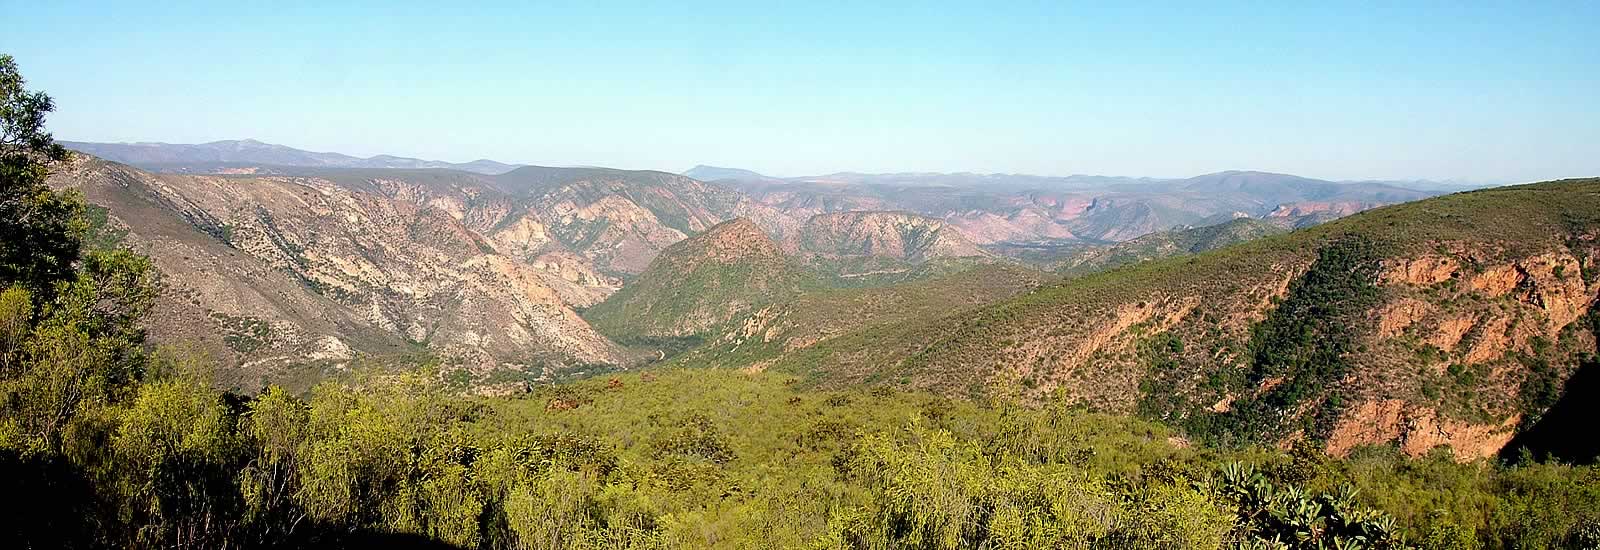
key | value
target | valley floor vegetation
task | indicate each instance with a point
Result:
(106, 443)
(710, 459)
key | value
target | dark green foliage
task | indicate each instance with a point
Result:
(102, 234)
(1159, 395)
(669, 346)
(243, 334)
(40, 230)
(1301, 350)
(1304, 343)
(565, 451)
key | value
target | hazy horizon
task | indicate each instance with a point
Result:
(1464, 181)
(1443, 92)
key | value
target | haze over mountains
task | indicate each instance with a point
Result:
(714, 173)
(1002, 210)
(219, 156)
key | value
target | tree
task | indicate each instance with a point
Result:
(40, 230)
(70, 339)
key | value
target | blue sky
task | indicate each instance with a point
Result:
(1492, 91)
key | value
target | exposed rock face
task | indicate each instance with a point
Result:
(575, 279)
(616, 220)
(1423, 270)
(1307, 208)
(1418, 429)
(897, 235)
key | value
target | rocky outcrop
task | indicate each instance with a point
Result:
(1418, 430)
(1421, 270)
(1307, 208)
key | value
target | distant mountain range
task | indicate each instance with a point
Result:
(224, 156)
(996, 209)
(959, 179)
(989, 210)
(924, 179)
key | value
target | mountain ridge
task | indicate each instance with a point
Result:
(240, 153)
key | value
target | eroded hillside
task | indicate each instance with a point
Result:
(274, 273)
(898, 235)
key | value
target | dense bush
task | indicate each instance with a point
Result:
(1297, 357)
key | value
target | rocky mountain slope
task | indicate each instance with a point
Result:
(249, 155)
(301, 268)
(621, 219)
(700, 283)
(875, 248)
(616, 221)
(273, 274)
(1002, 212)
(897, 235)
(1454, 320)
